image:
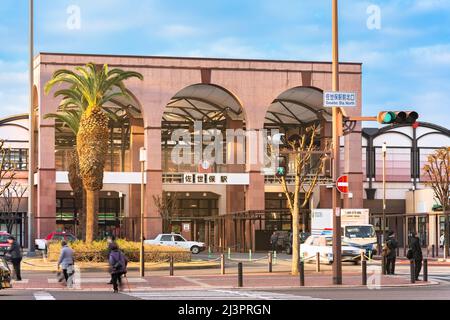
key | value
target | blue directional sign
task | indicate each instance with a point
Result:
(339, 99)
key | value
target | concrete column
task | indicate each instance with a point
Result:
(134, 208)
(153, 220)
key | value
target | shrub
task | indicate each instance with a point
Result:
(97, 251)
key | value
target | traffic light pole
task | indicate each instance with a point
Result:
(337, 125)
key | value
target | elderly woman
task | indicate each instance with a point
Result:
(118, 266)
(66, 261)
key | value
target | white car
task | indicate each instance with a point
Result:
(176, 240)
(324, 245)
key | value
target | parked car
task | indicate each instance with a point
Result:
(41, 244)
(176, 240)
(324, 245)
(4, 245)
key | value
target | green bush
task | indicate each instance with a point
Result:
(97, 251)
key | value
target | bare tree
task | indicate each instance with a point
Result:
(307, 172)
(7, 172)
(438, 171)
(12, 199)
(166, 205)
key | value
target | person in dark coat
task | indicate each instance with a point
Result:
(391, 254)
(111, 240)
(14, 255)
(416, 250)
(118, 266)
(274, 241)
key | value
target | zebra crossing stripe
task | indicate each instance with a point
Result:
(41, 295)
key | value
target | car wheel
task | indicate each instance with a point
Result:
(195, 250)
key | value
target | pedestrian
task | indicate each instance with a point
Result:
(391, 253)
(118, 266)
(274, 241)
(415, 253)
(111, 240)
(14, 255)
(66, 262)
(441, 241)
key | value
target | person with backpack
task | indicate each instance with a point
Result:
(118, 266)
(391, 254)
(111, 240)
(274, 241)
(415, 253)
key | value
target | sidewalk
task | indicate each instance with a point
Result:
(281, 280)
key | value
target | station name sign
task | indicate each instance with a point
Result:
(339, 99)
(216, 178)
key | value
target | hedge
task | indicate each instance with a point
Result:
(97, 251)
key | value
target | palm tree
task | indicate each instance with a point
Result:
(71, 118)
(92, 86)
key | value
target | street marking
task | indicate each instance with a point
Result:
(41, 295)
(216, 294)
(197, 282)
(101, 280)
(24, 281)
(261, 295)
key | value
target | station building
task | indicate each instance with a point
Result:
(227, 205)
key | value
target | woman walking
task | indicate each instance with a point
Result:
(118, 266)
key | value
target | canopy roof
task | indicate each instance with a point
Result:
(298, 106)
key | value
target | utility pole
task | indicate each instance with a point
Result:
(31, 130)
(142, 158)
(337, 125)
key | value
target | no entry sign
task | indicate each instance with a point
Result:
(342, 184)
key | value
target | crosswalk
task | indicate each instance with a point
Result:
(215, 295)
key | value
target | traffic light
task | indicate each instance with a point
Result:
(397, 117)
(281, 167)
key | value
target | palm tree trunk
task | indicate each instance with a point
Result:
(90, 215)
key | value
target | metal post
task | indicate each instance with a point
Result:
(141, 251)
(412, 267)
(432, 250)
(425, 270)
(337, 121)
(364, 272)
(240, 275)
(250, 255)
(31, 131)
(171, 266)
(317, 262)
(384, 193)
(302, 273)
(222, 264)
(270, 262)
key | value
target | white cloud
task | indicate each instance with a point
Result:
(438, 55)
(228, 48)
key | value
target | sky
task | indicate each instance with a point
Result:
(404, 45)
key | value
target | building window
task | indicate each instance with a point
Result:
(16, 159)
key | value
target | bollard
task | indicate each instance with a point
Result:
(302, 273)
(209, 252)
(364, 272)
(270, 261)
(250, 255)
(171, 266)
(370, 255)
(274, 257)
(412, 267)
(229, 253)
(362, 256)
(240, 275)
(222, 264)
(317, 262)
(432, 250)
(383, 265)
(425, 270)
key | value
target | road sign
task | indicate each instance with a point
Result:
(342, 184)
(339, 99)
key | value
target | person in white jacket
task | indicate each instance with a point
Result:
(442, 241)
(66, 262)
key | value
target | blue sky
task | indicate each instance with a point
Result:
(406, 62)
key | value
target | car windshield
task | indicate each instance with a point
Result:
(359, 232)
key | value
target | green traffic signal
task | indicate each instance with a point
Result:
(397, 117)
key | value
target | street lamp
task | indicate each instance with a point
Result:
(142, 159)
(384, 150)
